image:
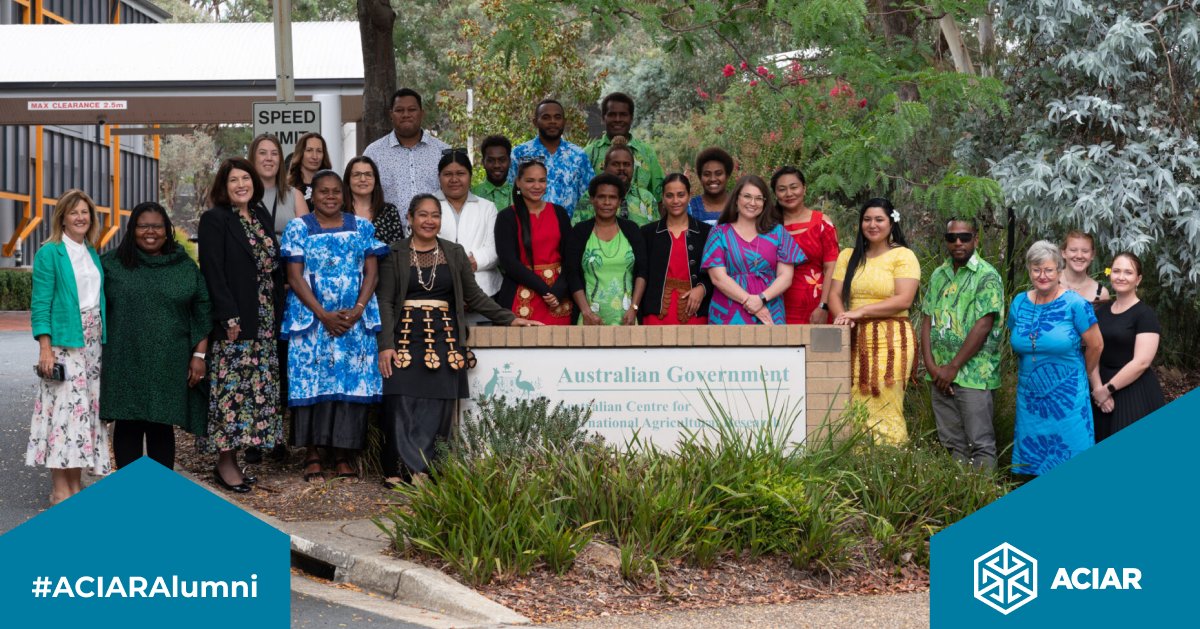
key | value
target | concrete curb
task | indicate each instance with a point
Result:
(357, 559)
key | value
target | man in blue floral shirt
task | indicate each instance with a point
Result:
(568, 170)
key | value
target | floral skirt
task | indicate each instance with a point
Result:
(244, 404)
(66, 431)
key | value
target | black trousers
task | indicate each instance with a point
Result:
(129, 434)
(412, 428)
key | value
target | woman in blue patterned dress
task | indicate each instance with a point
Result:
(750, 259)
(331, 321)
(1058, 343)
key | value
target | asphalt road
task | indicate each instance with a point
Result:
(25, 490)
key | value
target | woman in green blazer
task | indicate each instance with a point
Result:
(67, 316)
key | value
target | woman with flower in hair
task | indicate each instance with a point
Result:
(874, 284)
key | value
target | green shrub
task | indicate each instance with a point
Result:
(824, 504)
(505, 429)
(16, 289)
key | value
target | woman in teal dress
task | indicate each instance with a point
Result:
(606, 259)
(1058, 343)
(331, 320)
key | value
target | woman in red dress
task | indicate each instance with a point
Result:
(677, 289)
(804, 301)
(530, 235)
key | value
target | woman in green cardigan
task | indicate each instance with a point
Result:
(67, 317)
(159, 315)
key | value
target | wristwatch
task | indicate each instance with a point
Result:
(1111, 388)
(823, 306)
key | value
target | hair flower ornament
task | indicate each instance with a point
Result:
(895, 216)
(1107, 271)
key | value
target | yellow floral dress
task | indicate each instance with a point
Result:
(883, 350)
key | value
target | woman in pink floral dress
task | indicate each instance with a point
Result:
(67, 319)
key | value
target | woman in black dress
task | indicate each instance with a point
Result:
(425, 287)
(1124, 387)
(239, 258)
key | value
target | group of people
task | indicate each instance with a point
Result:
(1083, 359)
(332, 294)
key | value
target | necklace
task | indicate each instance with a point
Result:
(612, 245)
(1037, 321)
(432, 272)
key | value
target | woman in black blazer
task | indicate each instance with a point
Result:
(530, 237)
(606, 259)
(239, 257)
(677, 289)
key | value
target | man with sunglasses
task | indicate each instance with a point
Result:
(407, 157)
(960, 344)
(568, 170)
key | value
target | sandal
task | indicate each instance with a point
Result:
(309, 475)
(340, 462)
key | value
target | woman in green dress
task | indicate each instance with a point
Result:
(158, 323)
(606, 259)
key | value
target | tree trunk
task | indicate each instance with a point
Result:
(899, 24)
(375, 21)
(958, 51)
(987, 42)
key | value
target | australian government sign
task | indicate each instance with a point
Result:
(658, 393)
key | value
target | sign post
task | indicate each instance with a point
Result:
(287, 121)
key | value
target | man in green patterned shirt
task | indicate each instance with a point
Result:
(497, 154)
(960, 344)
(616, 110)
(638, 205)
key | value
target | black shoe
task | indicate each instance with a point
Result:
(252, 455)
(237, 489)
(247, 478)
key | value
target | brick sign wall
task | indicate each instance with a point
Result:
(826, 353)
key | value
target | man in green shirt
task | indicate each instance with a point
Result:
(960, 344)
(616, 109)
(497, 152)
(638, 205)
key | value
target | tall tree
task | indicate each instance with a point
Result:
(375, 21)
(1103, 136)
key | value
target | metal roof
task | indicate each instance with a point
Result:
(217, 54)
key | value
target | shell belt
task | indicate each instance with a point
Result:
(430, 313)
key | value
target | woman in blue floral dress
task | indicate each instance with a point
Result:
(1050, 325)
(331, 321)
(750, 259)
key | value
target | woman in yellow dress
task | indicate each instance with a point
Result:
(878, 279)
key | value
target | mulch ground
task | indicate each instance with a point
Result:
(594, 587)
(282, 493)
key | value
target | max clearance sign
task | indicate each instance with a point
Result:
(658, 393)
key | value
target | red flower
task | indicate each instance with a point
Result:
(835, 91)
(762, 70)
(701, 93)
(753, 83)
(743, 65)
(728, 71)
(771, 76)
(803, 81)
(862, 103)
